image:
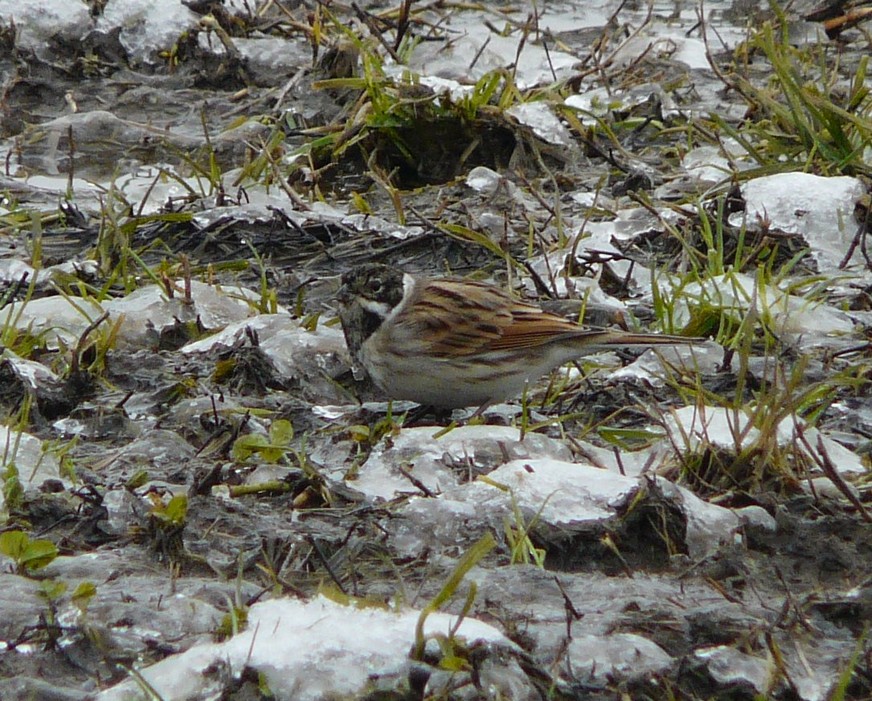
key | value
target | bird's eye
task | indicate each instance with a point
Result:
(375, 286)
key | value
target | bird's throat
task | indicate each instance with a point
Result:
(369, 323)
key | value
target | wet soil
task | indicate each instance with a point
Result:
(153, 425)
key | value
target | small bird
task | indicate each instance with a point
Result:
(451, 343)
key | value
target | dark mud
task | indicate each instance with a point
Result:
(782, 606)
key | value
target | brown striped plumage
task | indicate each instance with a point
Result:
(455, 343)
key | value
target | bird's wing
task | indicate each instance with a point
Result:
(531, 327)
(462, 318)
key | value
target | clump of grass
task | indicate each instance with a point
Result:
(737, 291)
(807, 117)
(760, 410)
(166, 525)
(472, 556)
(395, 131)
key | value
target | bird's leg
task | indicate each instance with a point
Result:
(414, 416)
(480, 411)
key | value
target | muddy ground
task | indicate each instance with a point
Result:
(778, 609)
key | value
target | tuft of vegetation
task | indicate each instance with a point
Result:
(472, 556)
(806, 117)
(28, 554)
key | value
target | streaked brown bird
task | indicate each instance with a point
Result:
(453, 343)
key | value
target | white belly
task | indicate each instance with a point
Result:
(457, 382)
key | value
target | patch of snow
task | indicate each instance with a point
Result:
(306, 651)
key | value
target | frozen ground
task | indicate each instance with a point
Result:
(197, 506)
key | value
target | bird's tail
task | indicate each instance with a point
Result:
(610, 338)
